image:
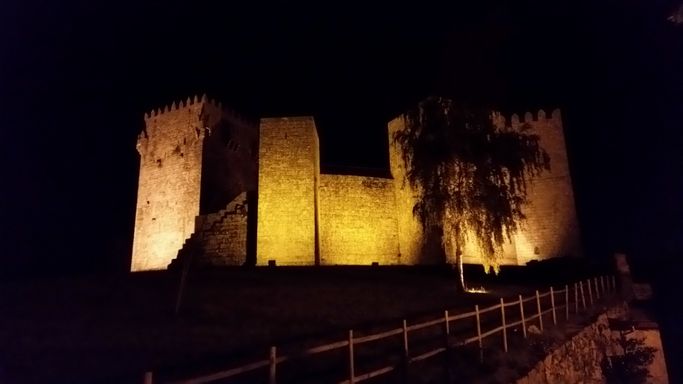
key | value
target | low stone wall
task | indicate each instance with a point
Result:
(577, 360)
(223, 235)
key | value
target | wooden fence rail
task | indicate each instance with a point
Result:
(601, 286)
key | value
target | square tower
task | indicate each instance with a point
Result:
(194, 159)
(289, 168)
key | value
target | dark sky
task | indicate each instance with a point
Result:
(76, 78)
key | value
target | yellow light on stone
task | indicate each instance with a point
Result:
(357, 220)
(306, 217)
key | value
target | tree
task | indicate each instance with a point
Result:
(632, 365)
(469, 175)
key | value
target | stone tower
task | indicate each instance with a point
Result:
(195, 158)
(410, 234)
(289, 168)
(551, 228)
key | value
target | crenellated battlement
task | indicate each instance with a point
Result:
(179, 121)
(189, 103)
(196, 105)
(529, 118)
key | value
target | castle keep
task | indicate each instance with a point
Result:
(233, 192)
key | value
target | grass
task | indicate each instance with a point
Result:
(111, 329)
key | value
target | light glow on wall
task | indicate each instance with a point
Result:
(286, 191)
(357, 220)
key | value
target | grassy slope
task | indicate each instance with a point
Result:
(81, 330)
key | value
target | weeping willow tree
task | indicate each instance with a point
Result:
(470, 176)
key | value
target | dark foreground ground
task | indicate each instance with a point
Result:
(666, 277)
(111, 329)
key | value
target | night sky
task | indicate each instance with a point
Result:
(77, 77)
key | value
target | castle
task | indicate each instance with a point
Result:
(233, 192)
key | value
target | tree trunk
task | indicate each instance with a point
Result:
(455, 246)
(461, 272)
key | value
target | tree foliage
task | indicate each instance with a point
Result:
(632, 365)
(470, 175)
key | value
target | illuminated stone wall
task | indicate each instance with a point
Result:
(288, 169)
(229, 162)
(357, 220)
(551, 228)
(223, 234)
(170, 151)
(410, 236)
(196, 160)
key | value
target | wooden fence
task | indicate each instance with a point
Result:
(585, 294)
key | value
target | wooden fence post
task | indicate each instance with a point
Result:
(552, 303)
(614, 284)
(505, 332)
(481, 347)
(597, 290)
(405, 339)
(590, 292)
(602, 284)
(576, 297)
(352, 373)
(273, 365)
(406, 353)
(148, 377)
(446, 359)
(521, 312)
(538, 310)
(566, 301)
(608, 282)
(583, 297)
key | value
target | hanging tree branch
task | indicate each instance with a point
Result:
(470, 176)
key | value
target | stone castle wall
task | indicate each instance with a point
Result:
(288, 173)
(410, 235)
(551, 228)
(196, 159)
(223, 234)
(357, 220)
(170, 151)
(229, 162)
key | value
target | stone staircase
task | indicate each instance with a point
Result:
(219, 238)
